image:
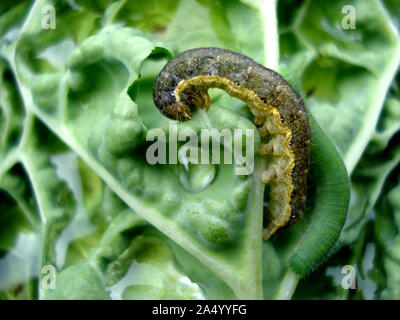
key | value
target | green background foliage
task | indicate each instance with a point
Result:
(77, 193)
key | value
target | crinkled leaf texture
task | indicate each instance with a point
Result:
(78, 194)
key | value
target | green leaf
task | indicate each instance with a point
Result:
(360, 63)
(77, 192)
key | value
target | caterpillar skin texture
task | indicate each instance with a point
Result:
(279, 114)
(330, 183)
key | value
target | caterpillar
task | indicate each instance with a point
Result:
(329, 201)
(279, 114)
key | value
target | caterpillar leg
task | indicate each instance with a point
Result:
(179, 110)
(263, 131)
(199, 98)
(258, 121)
(266, 148)
(268, 231)
(268, 175)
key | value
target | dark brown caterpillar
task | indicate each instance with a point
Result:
(278, 110)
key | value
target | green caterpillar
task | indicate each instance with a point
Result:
(328, 196)
(330, 201)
